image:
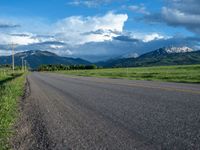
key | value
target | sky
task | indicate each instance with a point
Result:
(98, 30)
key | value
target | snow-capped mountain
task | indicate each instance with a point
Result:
(183, 49)
(163, 50)
(160, 57)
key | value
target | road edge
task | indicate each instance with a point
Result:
(30, 130)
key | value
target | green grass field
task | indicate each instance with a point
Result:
(11, 88)
(186, 73)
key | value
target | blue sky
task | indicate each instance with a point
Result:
(98, 30)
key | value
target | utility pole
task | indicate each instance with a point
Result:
(3, 69)
(13, 58)
(25, 65)
(22, 64)
(0, 68)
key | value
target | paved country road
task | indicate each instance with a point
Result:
(91, 113)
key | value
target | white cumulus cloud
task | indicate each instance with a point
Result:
(56, 46)
(80, 30)
(153, 36)
(19, 40)
(147, 37)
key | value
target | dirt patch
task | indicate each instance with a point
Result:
(30, 130)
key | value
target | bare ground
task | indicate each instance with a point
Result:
(31, 133)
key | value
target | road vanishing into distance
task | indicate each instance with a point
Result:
(91, 113)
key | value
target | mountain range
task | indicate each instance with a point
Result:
(35, 58)
(162, 56)
(159, 57)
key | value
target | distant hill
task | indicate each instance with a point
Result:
(35, 58)
(159, 57)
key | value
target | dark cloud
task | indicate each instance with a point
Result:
(101, 32)
(9, 26)
(44, 36)
(183, 13)
(51, 43)
(98, 51)
(125, 38)
(94, 32)
(186, 6)
(21, 35)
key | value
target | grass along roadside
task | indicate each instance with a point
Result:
(185, 73)
(11, 88)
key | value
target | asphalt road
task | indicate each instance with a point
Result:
(91, 113)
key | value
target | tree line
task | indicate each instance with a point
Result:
(59, 67)
(8, 66)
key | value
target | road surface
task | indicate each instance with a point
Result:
(91, 113)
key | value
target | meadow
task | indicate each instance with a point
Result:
(182, 73)
(11, 88)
